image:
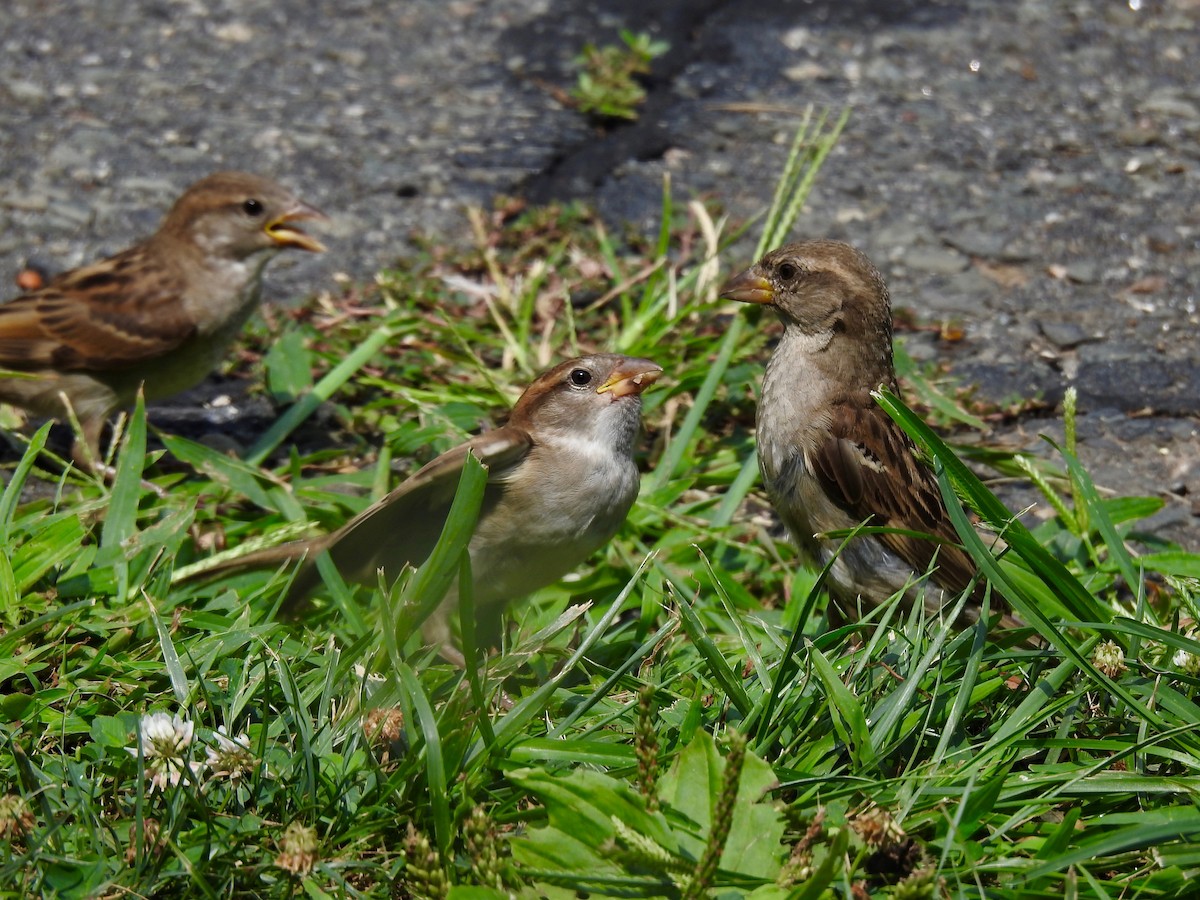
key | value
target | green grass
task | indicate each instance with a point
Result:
(607, 86)
(677, 720)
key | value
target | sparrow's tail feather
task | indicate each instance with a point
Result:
(245, 558)
(307, 577)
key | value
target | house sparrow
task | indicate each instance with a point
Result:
(831, 459)
(561, 479)
(159, 315)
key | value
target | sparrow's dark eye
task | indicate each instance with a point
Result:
(787, 271)
(580, 377)
(252, 207)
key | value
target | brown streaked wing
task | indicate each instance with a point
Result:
(89, 319)
(869, 468)
(404, 526)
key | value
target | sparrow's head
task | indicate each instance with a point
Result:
(235, 215)
(591, 398)
(822, 288)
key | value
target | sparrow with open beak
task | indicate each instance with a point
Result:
(561, 479)
(830, 457)
(160, 315)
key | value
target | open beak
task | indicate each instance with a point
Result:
(285, 234)
(631, 377)
(748, 287)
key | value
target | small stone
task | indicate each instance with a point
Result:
(729, 126)
(1182, 429)
(1004, 274)
(26, 92)
(1063, 335)
(920, 348)
(69, 156)
(69, 216)
(809, 71)
(898, 237)
(234, 33)
(306, 140)
(1139, 136)
(977, 242)
(186, 157)
(1172, 515)
(882, 69)
(948, 302)
(1169, 103)
(1084, 272)
(350, 57)
(938, 260)
(148, 185)
(26, 201)
(795, 38)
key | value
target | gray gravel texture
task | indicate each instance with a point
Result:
(1030, 168)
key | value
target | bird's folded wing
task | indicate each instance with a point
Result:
(868, 467)
(96, 318)
(404, 526)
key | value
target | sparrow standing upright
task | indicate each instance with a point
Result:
(831, 458)
(160, 315)
(561, 479)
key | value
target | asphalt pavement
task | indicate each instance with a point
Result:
(1029, 169)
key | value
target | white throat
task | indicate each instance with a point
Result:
(795, 396)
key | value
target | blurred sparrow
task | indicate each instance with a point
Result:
(561, 479)
(159, 315)
(831, 458)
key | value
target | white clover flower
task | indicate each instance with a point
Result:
(164, 736)
(163, 742)
(1109, 658)
(230, 757)
(1189, 663)
(298, 849)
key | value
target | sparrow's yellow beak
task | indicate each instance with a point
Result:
(748, 287)
(631, 377)
(285, 234)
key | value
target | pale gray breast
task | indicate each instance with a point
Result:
(792, 414)
(234, 290)
(553, 519)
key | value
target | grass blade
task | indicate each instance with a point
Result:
(322, 391)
